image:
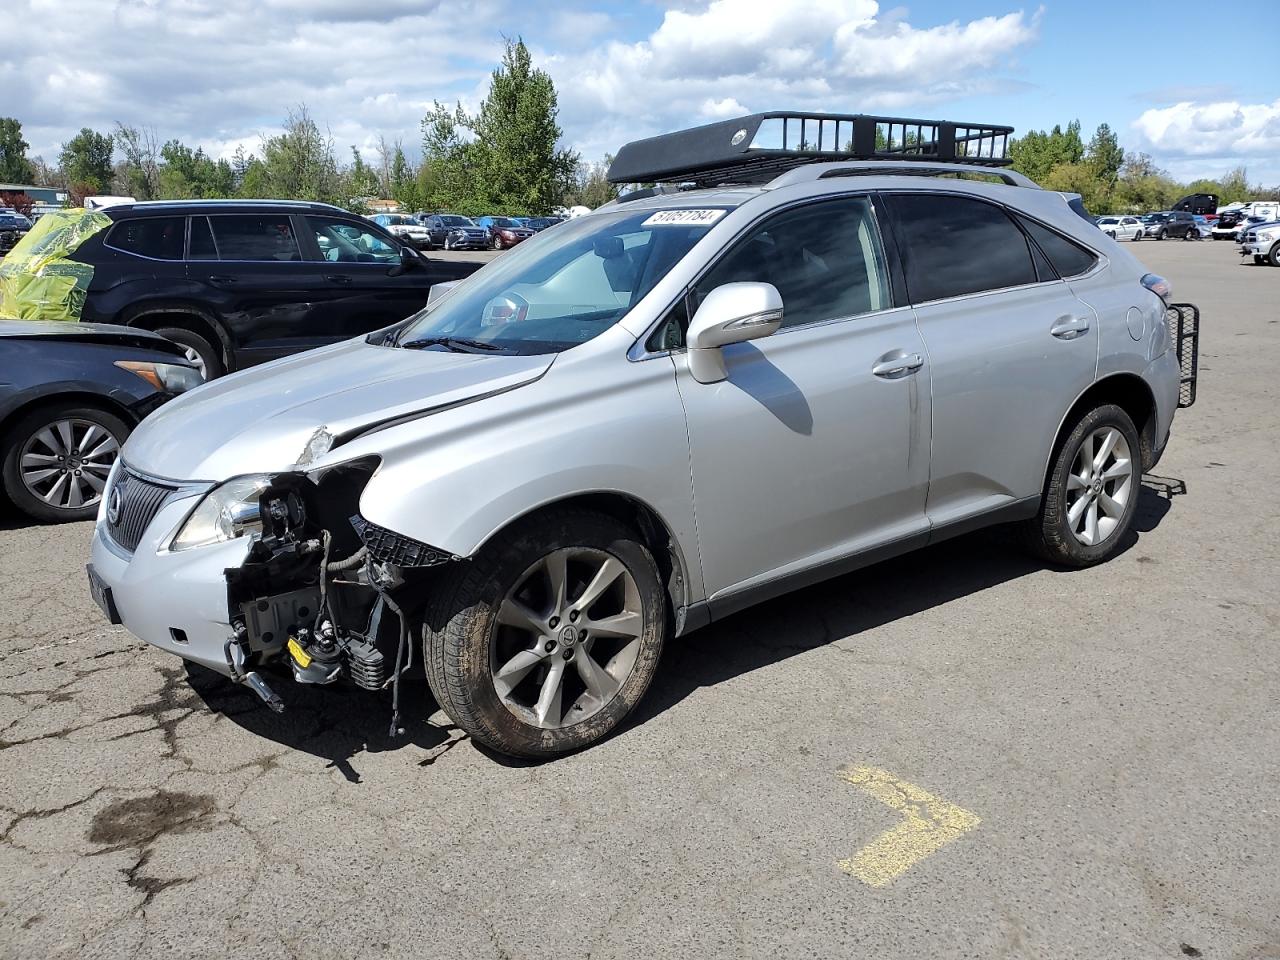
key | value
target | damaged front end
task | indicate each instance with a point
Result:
(323, 592)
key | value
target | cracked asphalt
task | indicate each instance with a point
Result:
(1116, 731)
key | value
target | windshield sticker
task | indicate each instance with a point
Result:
(684, 218)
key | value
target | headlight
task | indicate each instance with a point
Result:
(167, 377)
(226, 512)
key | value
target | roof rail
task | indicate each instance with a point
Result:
(895, 168)
(759, 147)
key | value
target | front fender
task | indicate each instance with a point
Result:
(590, 426)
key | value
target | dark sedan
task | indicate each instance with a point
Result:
(69, 395)
(13, 227)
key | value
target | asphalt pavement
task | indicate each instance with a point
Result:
(959, 753)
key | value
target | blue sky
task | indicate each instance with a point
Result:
(223, 73)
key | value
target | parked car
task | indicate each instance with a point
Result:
(1169, 223)
(13, 227)
(665, 411)
(405, 228)
(455, 232)
(504, 232)
(538, 224)
(1204, 228)
(232, 282)
(69, 396)
(1262, 241)
(1121, 228)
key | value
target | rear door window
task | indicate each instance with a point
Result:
(256, 237)
(159, 238)
(1067, 257)
(200, 244)
(958, 245)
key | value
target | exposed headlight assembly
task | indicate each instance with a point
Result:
(227, 512)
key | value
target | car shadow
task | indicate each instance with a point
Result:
(338, 723)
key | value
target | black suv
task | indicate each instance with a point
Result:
(236, 283)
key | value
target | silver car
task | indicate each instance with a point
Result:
(638, 423)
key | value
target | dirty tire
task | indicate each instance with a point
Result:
(210, 356)
(1273, 257)
(27, 427)
(459, 632)
(1048, 534)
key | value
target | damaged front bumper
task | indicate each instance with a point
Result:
(317, 594)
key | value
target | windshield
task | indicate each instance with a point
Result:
(504, 222)
(562, 288)
(456, 222)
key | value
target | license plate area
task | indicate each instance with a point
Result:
(101, 594)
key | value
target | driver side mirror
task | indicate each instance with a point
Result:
(731, 313)
(409, 258)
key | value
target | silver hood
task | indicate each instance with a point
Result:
(259, 420)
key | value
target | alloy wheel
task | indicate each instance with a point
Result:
(1100, 485)
(66, 464)
(566, 637)
(197, 361)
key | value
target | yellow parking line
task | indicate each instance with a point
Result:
(929, 824)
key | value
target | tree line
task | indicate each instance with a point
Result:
(506, 158)
(1109, 179)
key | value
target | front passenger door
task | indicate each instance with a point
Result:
(367, 286)
(816, 447)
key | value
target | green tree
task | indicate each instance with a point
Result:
(254, 185)
(1104, 154)
(362, 182)
(14, 165)
(1037, 153)
(193, 174)
(590, 187)
(86, 161)
(404, 182)
(299, 163)
(1081, 178)
(507, 157)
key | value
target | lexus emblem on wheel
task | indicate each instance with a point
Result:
(113, 507)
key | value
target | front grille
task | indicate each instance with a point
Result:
(1184, 328)
(131, 506)
(1250, 238)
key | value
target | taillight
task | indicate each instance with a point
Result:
(1159, 286)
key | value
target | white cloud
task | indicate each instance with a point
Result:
(1224, 129)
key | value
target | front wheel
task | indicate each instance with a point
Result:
(497, 243)
(1160, 235)
(200, 353)
(1274, 256)
(1092, 491)
(547, 639)
(57, 458)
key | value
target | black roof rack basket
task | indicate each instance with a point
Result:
(756, 148)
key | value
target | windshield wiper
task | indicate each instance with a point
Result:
(456, 344)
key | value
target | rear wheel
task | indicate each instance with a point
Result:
(548, 638)
(497, 243)
(198, 351)
(1092, 491)
(57, 458)
(1274, 256)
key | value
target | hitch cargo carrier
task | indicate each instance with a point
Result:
(758, 147)
(1184, 328)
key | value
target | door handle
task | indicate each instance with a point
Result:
(219, 278)
(897, 364)
(337, 278)
(1068, 328)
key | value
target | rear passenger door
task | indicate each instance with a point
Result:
(1010, 347)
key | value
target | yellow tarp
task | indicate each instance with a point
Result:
(37, 280)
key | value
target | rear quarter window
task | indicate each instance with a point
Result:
(1068, 258)
(159, 238)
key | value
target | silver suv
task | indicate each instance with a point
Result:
(642, 421)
